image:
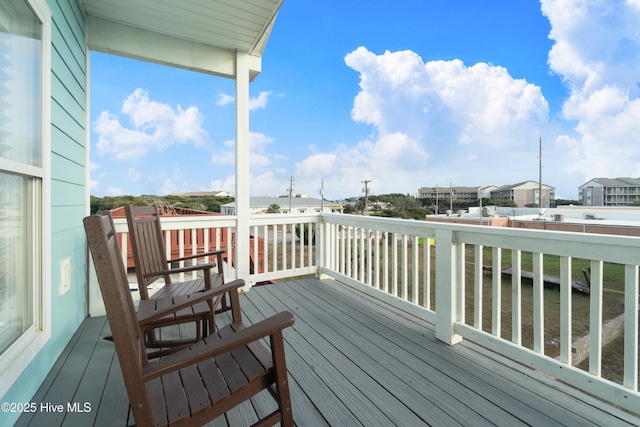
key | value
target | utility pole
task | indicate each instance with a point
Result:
(322, 195)
(366, 194)
(290, 194)
(480, 194)
(540, 178)
(451, 196)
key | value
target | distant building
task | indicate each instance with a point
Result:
(526, 193)
(610, 192)
(200, 194)
(465, 194)
(299, 204)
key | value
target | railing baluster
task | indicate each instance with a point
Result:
(565, 310)
(254, 252)
(275, 247)
(293, 246)
(361, 254)
(460, 279)
(631, 327)
(426, 280)
(538, 303)
(283, 248)
(351, 254)
(343, 246)
(265, 234)
(497, 291)
(167, 246)
(376, 260)
(310, 240)
(516, 298)
(404, 263)
(595, 318)
(415, 263)
(194, 250)
(369, 265)
(394, 265)
(385, 262)
(478, 286)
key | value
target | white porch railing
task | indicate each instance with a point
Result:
(437, 271)
(414, 264)
(281, 247)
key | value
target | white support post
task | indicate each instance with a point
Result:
(242, 169)
(446, 288)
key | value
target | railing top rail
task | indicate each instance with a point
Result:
(394, 225)
(610, 248)
(288, 218)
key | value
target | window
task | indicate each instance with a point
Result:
(20, 172)
(22, 179)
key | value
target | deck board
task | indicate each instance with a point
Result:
(352, 361)
(445, 376)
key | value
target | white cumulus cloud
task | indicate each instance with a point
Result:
(148, 125)
(432, 121)
(596, 52)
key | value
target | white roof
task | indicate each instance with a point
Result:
(283, 202)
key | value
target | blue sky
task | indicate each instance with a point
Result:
(406, 95)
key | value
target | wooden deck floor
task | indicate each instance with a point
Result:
(352, 361)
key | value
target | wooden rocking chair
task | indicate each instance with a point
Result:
(205, 380)
(199, 313)
(151, 263)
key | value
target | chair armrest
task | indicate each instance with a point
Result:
(194, 299)
(196, 267)
(198, 353)
(202, 255)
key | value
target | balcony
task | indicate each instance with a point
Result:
(401, 322)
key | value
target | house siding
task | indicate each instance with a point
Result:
(68, 199)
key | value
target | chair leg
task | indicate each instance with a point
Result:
(282, 381)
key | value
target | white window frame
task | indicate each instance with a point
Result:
(15, 360)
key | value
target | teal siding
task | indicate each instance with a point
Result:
(70, 194)
(68, 201)
(66, 145)
(68, 171)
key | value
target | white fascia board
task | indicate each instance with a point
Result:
(132, 42)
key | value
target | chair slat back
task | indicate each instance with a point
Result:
(114, 286)
(147, 245)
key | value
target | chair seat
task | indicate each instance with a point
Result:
(182, 394)
(187, 287)
(149, 307)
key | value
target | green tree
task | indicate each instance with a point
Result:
(207, 204)
(274, 208)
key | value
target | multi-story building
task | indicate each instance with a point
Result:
(610, 192)
(523, 193)
(526, 193)
(465, 194)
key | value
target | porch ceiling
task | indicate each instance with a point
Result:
(195, 34)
